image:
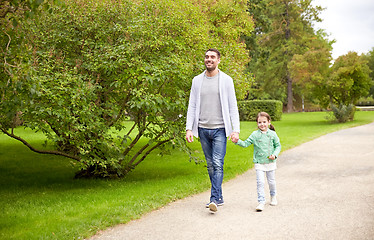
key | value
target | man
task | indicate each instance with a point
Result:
(213, 116)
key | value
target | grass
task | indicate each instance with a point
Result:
(39, 199)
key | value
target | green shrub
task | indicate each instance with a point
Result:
(248, 110)
(88, 65)
(343, 113)
(369, 101)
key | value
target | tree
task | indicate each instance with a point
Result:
(89, 66)
(369, 57)
(348, 81)
(286, 31)
(310, 69)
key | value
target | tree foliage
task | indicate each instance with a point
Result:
(347, 82)
(87, 67)
(369, 57)
(310, 69)
(19, 7)
(284, 35)
(13, 12)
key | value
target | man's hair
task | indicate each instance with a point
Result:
(214, 50)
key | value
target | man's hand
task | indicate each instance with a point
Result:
(189, 136)
(234, 137)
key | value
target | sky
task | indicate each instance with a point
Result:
(350, 23)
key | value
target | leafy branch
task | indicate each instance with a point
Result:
(54, 152)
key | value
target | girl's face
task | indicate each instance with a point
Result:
(263, 123)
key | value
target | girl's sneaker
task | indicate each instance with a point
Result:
(260, 207)
(273, 201)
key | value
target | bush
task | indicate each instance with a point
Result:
(343, 113)
(248, 110)
(80, 70)
(369, 101)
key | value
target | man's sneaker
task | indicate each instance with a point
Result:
(218, 204)
(260, 207)
(273, 201)
(213, 207)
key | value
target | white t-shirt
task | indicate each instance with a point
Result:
(266, 166)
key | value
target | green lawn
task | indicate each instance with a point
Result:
(39, 199)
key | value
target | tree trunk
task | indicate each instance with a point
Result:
(288, 77)
(289, 94)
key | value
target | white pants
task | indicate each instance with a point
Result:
(270, 175)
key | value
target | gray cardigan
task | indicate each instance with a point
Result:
(228, 102)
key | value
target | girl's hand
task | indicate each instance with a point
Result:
(234, 137)
(272, 157)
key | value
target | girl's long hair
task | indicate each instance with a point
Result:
(264, 114)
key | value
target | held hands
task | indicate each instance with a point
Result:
(234, 137)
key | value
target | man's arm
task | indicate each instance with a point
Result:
(191, 111)
(234, 112)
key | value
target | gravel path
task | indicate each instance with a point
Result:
(325, 191)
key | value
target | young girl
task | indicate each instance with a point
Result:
(266, 149)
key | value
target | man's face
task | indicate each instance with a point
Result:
(211, 61)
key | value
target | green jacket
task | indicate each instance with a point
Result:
(264, 144)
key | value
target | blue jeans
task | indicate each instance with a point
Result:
(213, 143)
(270, 175)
